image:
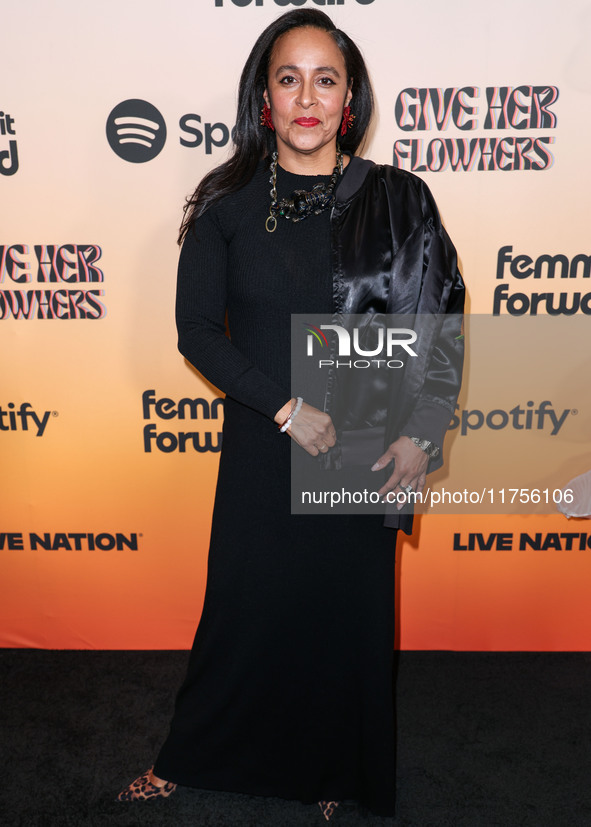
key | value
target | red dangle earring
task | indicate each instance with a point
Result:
(266, 119)
(348, 119)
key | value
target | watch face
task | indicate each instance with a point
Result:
(430, 449)
(425, 445)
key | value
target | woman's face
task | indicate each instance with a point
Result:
(307, 90)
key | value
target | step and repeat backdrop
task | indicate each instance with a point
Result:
(109, 116)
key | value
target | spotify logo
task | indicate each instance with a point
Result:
(136, 131)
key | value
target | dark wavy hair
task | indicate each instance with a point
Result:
(252, 142)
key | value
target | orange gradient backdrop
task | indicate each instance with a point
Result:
(88, 473)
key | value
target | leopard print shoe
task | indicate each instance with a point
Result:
(143, 789)
(327, 808)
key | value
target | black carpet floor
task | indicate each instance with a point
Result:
(485, 740)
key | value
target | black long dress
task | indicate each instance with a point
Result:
(289, 685)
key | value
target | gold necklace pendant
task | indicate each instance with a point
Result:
(271, 224)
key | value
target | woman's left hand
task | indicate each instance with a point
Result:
(410, 468)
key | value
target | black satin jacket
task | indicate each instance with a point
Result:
(392, 255)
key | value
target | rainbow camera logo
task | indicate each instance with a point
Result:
(317, 333)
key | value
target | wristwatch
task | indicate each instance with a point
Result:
(425, 445)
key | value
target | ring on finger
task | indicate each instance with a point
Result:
(406, 488)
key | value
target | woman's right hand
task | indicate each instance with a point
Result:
(312, 429)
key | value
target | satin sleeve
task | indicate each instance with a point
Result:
(442, 294)
(201, 299)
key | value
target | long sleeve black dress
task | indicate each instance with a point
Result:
(289, 685)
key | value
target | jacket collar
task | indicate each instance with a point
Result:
(351, 183)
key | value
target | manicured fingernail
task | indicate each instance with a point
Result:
(376, 466)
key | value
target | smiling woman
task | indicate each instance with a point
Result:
(307, 92)
(289, 687)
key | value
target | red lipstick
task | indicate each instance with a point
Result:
(307, 122)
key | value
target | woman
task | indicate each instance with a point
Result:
(289, 684)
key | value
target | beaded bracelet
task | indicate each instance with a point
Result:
(289, 415)
(292, 414)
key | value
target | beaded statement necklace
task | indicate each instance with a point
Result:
(300, 204)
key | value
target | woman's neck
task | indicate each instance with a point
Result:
(320, 162)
